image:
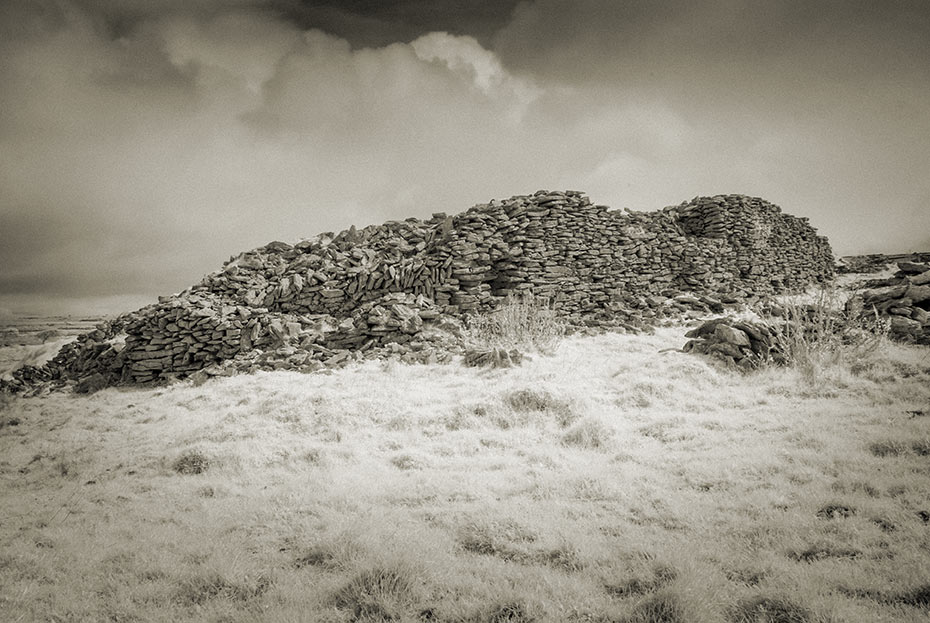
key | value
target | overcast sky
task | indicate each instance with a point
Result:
(143, 142)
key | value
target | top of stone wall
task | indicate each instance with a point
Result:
(384, 285)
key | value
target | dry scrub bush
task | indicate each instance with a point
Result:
(822, 335)
(526, 323)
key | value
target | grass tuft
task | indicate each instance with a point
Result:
(505, 613)
(657, 577)
(888, 447)
(590, 434)
(525, 323)
(564, 557)
(199, 589)
(385, 593)
(835, 511)
(814, 553)
(747, 576)
(921, 447)
(406, 462)
(528, 400)
(663, 607)
(762, 609)
(191, 462)
(918, 597)
(316, 556)
(495, 539)
(338, 553)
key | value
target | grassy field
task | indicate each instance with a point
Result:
(614, 480)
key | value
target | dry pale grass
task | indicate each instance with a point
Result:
(824, 331)
(519, 322)
(611, 481)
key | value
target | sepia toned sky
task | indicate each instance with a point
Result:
(144, 142)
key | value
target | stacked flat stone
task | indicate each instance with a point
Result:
(382, 286)
(745, 344)
(877, 262)
(904, 302)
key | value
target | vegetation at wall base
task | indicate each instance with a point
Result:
(823, 334)
(524, 323)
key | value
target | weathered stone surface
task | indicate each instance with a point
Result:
(906, 327)
(731, 335)
(921, 279)
(918, 294)
(913, 268)
(743, 343)
(879, 295)
(905, 305)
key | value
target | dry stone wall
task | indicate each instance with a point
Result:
(904, 301)
(398, 283)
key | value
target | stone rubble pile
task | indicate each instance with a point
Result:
(745, 344)
(904, 300)
(877, 262)
(401, 288)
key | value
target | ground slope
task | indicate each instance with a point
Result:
(614, 481)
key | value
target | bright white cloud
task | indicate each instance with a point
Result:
(464, 55)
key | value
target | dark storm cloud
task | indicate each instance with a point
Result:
(597, 39)
(364, 23)
(372, 23)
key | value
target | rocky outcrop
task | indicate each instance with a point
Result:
(745, 344)
(392, 287)
(877, 262)
(904, 301)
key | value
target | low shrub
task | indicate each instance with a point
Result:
(526, 323)
(823, 334)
